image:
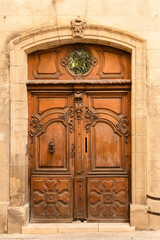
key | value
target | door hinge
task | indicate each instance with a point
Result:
(26, 149)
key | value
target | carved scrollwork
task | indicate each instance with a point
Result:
(121, 127)
(78, 105)
(36, 126)
(67, 117)
(91, 118)
(78, 26)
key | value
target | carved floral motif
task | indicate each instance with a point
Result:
(50, 198)
(67, 117)
(91, 118)
(36, 126)
(121, 127)
(106, 199)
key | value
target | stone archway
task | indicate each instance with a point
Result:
(18, 211)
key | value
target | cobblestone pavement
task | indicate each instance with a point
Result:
(137, 235)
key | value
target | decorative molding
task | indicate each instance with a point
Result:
(91, 118)
(104, 75)
(78, 96)
(78, 26)
(153, 213)
(89, 81)
(67, 117)
(153, 198)
(38, 75)
(121, 127)
(36, 126)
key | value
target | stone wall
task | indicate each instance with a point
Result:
(141, 17)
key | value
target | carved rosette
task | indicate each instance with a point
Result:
(91, 118)
(51, 198)
(106, 199)
(67, 117)
(121, 127)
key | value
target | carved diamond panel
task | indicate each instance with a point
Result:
(108, 198)
(51, 198)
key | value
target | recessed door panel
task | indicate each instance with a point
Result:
(106, 146)
(53, 146)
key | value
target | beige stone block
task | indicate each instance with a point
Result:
(18, 62)
(154, 151)
(78, 227)
(3, 216)
(141, 144)
(151, 36)
(140, 195)
(139, 217)
(154, 222)
(4, 148)
(154, 205)
(4, 56)
(141, 127)
(17, 217)
(4, 171)
(154, 187)
(153, 132)
(154, 101)
(153, 57)
(19, 92)
(17, 185)
(115, 227)
(4, 75)
(153, 74)
(140, 183)
(23, 8)
(41, 228)
(74, 8)
(154, 171)
(19, 111)
(140, 161)
(4, 188)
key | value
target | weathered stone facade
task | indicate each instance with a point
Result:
(27, 26)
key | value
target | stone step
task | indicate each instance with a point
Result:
(75, 227)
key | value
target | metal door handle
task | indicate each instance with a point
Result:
(51, 147)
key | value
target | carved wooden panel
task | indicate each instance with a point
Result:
(80, 61)
(80, 208)
(107, 123)
(49, 130)
(46, 65)
(51, 198)
(56, 133)
(106, 146)
(108, 199)
(112, 65)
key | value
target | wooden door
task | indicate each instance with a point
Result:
(79, 155)
(79, 140)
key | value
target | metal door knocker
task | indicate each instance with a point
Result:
(51, 147)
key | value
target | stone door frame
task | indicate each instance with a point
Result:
(49, 37)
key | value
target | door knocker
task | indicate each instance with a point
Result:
(51, 147)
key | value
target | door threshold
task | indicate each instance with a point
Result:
(75, 227)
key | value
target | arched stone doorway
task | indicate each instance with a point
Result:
(49, 38)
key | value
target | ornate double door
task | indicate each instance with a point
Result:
(79, 154)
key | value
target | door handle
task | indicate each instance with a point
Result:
(51, 147)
